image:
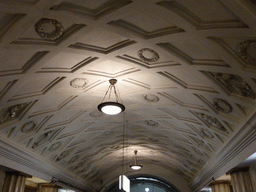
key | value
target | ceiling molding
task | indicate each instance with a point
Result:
(145, 34)
(102, 10)
(51, 42)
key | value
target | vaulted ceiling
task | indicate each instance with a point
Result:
(185, 72)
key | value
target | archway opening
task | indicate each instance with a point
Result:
(144, 183)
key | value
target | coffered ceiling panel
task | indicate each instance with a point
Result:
(185, 72)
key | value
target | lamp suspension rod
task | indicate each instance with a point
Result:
(135, 156)
(106, 93)
(123, 144)
(110, 87)
(115, 92)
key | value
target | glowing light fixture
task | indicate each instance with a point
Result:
(113, 107)
(135, 166)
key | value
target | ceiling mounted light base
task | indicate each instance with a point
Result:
(111, 107)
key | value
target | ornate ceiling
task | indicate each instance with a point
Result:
(185, 72)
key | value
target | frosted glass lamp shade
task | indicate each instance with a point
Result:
(111, 108)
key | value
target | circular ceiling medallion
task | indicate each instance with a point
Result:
(151, 98)
(55, 146)
(222, 105)
(78, 83)
(247, 52)
(148, 55)
(152, 123)
(28, 127)
(96, 114)
(49, 28)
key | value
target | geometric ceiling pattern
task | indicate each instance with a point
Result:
(185, 72)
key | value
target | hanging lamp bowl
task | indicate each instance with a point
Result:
(111, 108)
(136, 167)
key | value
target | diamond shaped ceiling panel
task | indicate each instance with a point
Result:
(185, 72)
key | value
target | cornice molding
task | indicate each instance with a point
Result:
(241, 144)
(14, 157)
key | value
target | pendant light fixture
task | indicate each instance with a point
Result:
(135, 166)
(112, 107)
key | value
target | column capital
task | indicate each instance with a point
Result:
(221, 182)
(18, 173)
(239, 169)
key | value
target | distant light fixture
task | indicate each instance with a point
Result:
(113, 107)
(135, 166)
(147, 189)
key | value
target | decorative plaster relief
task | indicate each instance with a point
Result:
(64, 154)
(211, 122)
(78, 166)
(28, 127)
(152, 123)
(55, 146)
(206, 133)
(50, 38)
(247, 52)
(73, 159)
(148, 55)
(201, 144)
(96, 114)
(7, 114)
(198, 141)
(151, 98)
(140, 62)
(44, 28)
(44, 138)
(222, 105)
(233, 84)
(78, 83)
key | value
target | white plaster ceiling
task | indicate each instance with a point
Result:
(181, 109)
